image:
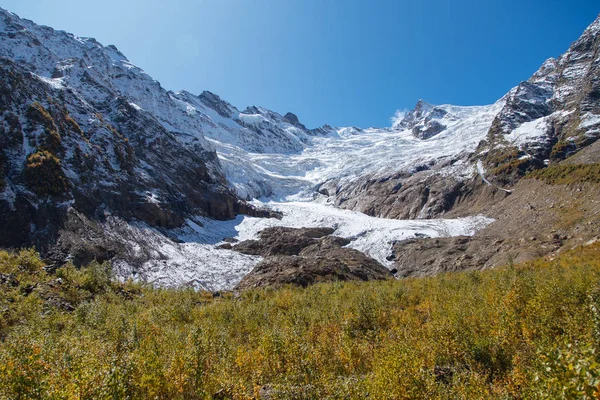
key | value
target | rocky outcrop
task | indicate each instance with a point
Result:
(283, 241)
(304, 257)
(293, 119)
(425, 120)
(422, 193)
(214, 102)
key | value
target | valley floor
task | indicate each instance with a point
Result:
(527, 331)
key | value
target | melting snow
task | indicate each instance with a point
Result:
(198, 263)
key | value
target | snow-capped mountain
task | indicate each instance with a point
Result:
(550, 116)
(98, 160)
(427, 120)
(84, 131)
(542, 120)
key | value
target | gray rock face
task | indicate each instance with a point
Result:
(282, 241)
(214, 102)
(422, 195)
(293, 119)
(423, 120)
(304, 257)
(428, 257)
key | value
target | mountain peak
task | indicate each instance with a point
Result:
(293, 119)
(417, 116)
(215, 102)
(594, 26)
(422, 105)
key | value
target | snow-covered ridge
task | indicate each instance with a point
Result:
(262, 153)
(348, 154)
(64, 60)
(537, 110)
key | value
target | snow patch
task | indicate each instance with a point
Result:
(589, 120)
(529, 132)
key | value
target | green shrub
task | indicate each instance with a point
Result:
(506, 165)
(564, 174)
(560, 149)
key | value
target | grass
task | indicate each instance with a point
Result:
(517, 332)
(564, 174)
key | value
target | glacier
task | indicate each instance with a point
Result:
(288, 181)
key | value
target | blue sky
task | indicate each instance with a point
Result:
(342, 62)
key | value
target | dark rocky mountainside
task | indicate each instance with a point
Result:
(74, 140)
(122, 162)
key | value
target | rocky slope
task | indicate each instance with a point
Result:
(538, 219)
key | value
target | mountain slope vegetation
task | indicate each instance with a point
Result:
(519, 331)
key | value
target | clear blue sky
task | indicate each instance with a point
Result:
(342, 62)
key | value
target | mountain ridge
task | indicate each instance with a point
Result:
(92, 144)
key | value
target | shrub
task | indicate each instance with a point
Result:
(564, 174)
(524, 331)
(38, 115)
(74, 126)
(44, 174)
(560, 150)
